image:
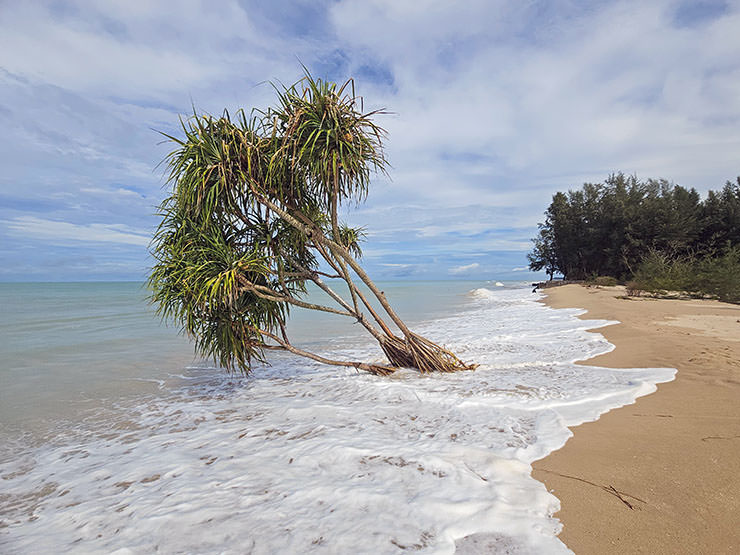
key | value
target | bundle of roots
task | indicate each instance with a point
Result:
(418, 352)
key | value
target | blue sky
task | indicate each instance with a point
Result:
(496, 105)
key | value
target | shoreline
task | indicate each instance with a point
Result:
(661, 475)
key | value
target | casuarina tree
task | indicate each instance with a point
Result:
(252, 218)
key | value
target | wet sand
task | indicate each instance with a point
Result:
(661, 475)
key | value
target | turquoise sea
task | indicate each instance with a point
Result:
(68, 349)
(115, 438)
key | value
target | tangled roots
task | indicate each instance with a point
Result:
(418, 352)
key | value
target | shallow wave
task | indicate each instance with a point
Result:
(305, 458)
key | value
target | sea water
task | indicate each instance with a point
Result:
(113, 438)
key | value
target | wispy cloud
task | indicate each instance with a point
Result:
(496, 105)
(466, 269)
(64, 232)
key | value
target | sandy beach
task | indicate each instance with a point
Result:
(661, 475)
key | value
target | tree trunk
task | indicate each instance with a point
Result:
(409, 351)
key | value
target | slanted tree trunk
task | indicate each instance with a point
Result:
(408, 350)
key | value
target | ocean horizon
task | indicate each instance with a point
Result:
(116, 437)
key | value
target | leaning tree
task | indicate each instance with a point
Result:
(253, 217)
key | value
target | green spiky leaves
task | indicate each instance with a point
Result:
(227, 266)
(333, 146)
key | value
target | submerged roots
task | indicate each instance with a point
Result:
(418, 352)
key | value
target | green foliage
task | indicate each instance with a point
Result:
(713, 276)
(720, 214)
(611, 228)
(195, 283)
(227, 266)
(720, 276)
(543, 255)
(603, 281)
(328, 149)
(351, 237)
(660, 272)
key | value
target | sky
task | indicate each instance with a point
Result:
(495, 106)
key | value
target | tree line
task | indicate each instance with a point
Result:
(612, 228)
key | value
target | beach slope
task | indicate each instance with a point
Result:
(661, 475)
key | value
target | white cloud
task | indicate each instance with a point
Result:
(521, 269)
(496, 105)
(457, 270)
(118, 192)
(619, 87)
(58, 233)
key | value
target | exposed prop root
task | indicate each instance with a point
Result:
(415, 351)
(377, 369)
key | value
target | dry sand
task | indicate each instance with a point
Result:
(661, 475)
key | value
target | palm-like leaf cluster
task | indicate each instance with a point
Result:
(227, 266)
(252, 211)
(330, 148)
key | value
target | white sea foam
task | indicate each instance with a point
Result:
(305, 458)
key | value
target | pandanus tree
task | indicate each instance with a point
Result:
(252, 218)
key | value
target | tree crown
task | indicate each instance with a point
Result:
(228, 264)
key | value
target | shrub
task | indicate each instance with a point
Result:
(715, 276)
(660, 272)
(606, 281)
(720, 276)
(634, 289)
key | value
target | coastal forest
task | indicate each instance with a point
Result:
(654, 235)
